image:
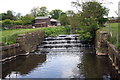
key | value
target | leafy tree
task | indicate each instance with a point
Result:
(64, 19)
(18, 22)
(18, 15)
(0, 16)
(8, 15)
(95, 10)
(70, 13)
(43, 11)
(27, 19)
(35, 11)
(7, 23)
(74, 20)
(55, 13)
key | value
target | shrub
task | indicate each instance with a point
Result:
(85, 36)
(54, 31)
(118, 45)
(113, 40)
(18, 22)
(7, 23)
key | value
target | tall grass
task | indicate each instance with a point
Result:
(113, 30)
(10, 36)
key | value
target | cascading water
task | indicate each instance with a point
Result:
(64, 56)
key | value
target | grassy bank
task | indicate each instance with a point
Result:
(115, 30)
(10, 36)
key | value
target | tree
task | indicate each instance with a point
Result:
(56, 13)
(94, 10)
(64, 19)
(70, 13)
(43, 11)
(27, 19)
(18, 15)
(8, 15)
(7, 23)
(35, 11)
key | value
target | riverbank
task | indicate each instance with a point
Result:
(104, 47)
(10, 36)
(23, 41)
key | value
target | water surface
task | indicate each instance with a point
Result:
(60, 57)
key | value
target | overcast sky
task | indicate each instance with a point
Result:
(24, 6)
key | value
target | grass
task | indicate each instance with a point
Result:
(10, 36)
(114, 28)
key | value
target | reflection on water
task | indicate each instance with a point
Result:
(22, 65)
(64, 62)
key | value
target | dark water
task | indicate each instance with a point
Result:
(60, 57)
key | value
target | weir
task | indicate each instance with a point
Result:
(64, 56)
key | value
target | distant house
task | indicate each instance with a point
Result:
(45, 22)
(42, 21)
(55, 22)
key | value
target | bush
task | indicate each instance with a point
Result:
(7, 23)
(54, 31)
(18, 22)
(85, 36)
(89, 25)
(113, 40)
(27, 19)
(118, 45)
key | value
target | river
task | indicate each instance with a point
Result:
(63, 56)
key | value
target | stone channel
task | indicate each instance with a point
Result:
(64, 56)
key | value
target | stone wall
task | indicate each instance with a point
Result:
(29, 41)
(104, 47)
(10, 51)
(101, 45)
(26, 43)
(114, 56)
(22, 26)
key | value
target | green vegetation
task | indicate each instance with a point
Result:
(113, 28)
(9, 36)
(89, 19)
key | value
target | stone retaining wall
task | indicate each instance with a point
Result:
(114, 56)
(29, 41)
(103, 47)
(22, 26)
(10, 51)
(26, 43)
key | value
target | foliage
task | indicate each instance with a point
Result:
(18, 16)
(92, 9)
(9, 36)
(112, 40)
(74, 20)
(114, 29)
(54, 31)
(85, 36)
(89, 24)
(64, 19)
(43, 11)
(18, 22)
(27, 19)
(7, 23)
(118, 45)
(8, 15)
(34, 11)
(70, 13)
(55, 14)
(95, 10)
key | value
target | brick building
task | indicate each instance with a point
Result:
(46, 22)
(42, 21)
